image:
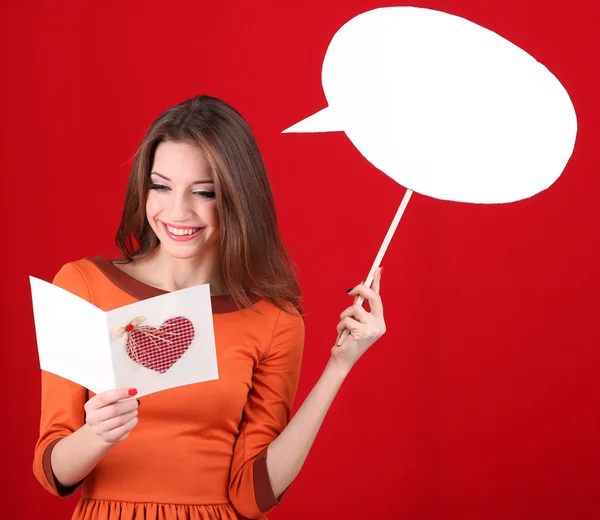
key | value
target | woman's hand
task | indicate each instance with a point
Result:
(365, 327)
(112, 414)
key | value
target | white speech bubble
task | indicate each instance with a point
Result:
(445, 107)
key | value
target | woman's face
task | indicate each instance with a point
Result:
(181, 205)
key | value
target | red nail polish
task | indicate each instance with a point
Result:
(132, 391)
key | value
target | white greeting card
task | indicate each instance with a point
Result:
(154, 344)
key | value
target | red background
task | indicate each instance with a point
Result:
(481, 401)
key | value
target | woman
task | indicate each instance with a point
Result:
(198, 210)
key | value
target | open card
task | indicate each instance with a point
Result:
(151, 345)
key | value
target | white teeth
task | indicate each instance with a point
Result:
(182, 232)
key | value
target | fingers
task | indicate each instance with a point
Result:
(114, 422)
(115, 410)
(348, 323)
(356, 318)
(356, 311)
(112, 414)
(376, 285)
(371, 296)
(112, 396)
(120, 433)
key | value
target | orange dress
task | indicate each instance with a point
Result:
(198, 451)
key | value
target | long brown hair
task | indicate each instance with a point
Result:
(252, 257)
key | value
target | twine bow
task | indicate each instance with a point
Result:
(136, 324)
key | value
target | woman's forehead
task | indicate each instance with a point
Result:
(181, 161)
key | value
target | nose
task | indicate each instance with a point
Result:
(181, 209)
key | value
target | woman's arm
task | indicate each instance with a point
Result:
(287, 453)
(74, 456)
(110, 417)
(75, 431)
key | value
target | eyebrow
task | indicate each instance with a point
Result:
(209, 181)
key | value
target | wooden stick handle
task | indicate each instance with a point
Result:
(381, 253)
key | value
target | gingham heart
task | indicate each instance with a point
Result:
(159, 349)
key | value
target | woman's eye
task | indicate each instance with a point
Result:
(202, 194)
(158, 187)
(205, 194)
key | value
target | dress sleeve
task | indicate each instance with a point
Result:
(267, 413)
(62, 410)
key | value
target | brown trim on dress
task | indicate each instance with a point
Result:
(62, 491)
(142, 291)
(263, 491)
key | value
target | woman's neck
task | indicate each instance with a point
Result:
(171, 274)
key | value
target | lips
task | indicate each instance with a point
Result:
(181, 233)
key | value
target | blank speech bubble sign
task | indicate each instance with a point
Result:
(445, 107)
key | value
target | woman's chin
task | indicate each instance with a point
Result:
(184, 251)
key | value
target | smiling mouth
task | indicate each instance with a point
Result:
(181, 233)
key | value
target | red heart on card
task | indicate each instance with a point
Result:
(159, 349)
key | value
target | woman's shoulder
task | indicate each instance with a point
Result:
(281, 317)
(74, 276)
(86, 268)
(83, 277)
(284, 329)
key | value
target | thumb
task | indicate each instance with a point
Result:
(376, 285)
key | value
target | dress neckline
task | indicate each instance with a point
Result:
(142, 291)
